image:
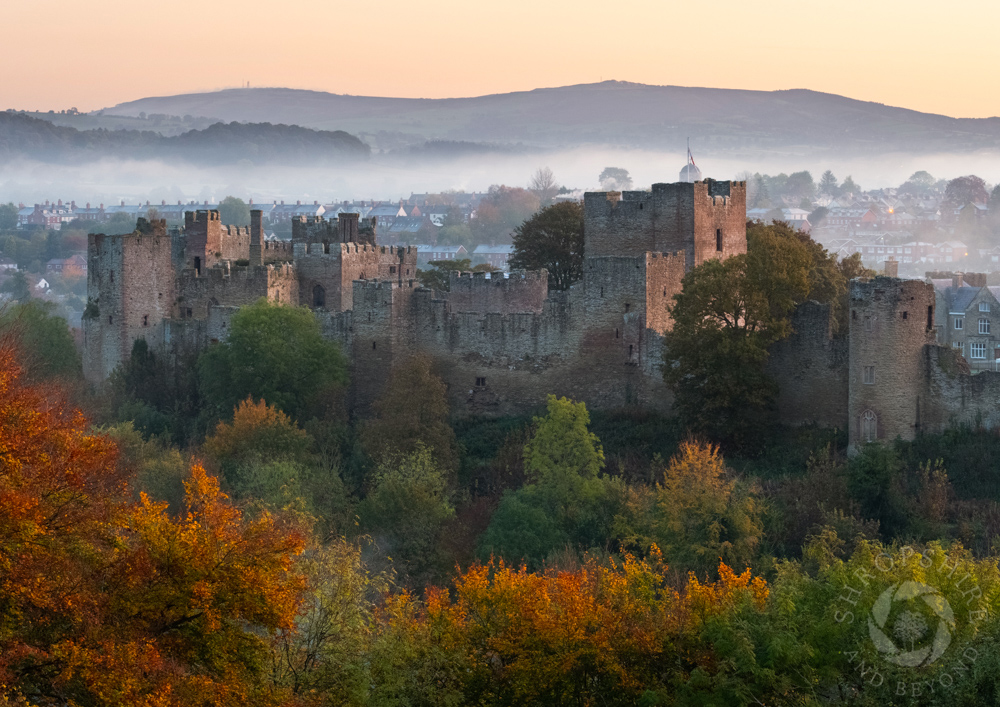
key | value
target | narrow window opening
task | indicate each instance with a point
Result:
(630, 352)
(145, 320)
(869, 375)
(616, 333)
(869, 426)
(109, 319)
(373, 346)
(197, 265)
(905, 315)
(930, 316)
(718, 239)
(627, 307)
(602, 292)
(480, 382)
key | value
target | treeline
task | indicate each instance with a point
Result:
(22, 136)
(110, 597)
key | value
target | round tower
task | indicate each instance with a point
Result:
(891, 322)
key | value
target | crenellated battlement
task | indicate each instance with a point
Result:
(521, 291)
(348, 228)
(704, 219)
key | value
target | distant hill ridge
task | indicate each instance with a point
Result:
(23, 136)
(609, 113)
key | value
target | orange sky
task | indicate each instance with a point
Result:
(930, 56)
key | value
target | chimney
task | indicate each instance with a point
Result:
(88, 205)
(957, 280)
(891, 268)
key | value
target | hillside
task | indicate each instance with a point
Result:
(609, 113)
(22, 136)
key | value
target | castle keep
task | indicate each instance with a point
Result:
(501, 342)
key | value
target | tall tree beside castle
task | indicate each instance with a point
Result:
(552, 239)
(725, 318)
(276, 353)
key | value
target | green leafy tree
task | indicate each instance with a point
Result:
(233, 211)
(17, 287)
(817, 215)
(828, 184)
(697, 515)
(406, 510)
(455, 234)
(800, 185)
(438, 275)
(615, 179)
(964, 190)
(563, 450)
(118, 224)
(848, 186)
(329, 651)
(8, 217)
(566, 504)
(725, 318)
(44, 340)
(276, 353)
(552, 239)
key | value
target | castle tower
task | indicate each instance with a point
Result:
(130, 291)
(203, 229)
(704, 219)
(256, 238)
(891, 322)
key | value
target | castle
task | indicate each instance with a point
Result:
(502, 343)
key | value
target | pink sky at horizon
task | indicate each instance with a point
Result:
(92, 54)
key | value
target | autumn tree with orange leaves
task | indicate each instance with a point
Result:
(105, 600)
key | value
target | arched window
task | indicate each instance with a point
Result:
(869, 426)
(319, 297)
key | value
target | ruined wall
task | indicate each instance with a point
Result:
(130, 291)
(493, 293)
(891, 322)
(811, 369)
(953, 396)
(704, 219)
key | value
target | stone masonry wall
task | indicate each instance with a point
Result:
(493, 293)
(664, 274)
(811, 369)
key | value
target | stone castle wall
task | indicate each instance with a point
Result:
(811, 369)
(494, 293)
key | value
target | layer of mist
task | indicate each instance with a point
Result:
(385, 177)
